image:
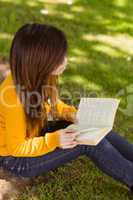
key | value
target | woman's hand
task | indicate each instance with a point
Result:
(67, 137)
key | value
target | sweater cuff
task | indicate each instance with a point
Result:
(52, 139)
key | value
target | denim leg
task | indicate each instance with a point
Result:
(35, 166)
(15, 165)
(107, 158)
(104, 155)
(121, 144)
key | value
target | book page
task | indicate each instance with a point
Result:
(90, 136)
(95, 119)
(97, 112)
(93, 137)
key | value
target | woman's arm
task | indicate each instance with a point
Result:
(65, 111)
(16, 141)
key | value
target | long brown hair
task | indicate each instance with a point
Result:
(36, 50)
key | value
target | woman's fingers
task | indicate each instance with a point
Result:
(70, 131)
(71, 135)
(67, 138)
(65, 143)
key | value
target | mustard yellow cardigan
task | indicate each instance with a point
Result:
(13, 140)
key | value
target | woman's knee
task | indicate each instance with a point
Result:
(103, 146)
(92, 149)
(111, 135)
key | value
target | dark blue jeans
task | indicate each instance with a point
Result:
(113, 155)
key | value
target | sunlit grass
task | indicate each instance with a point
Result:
(5, 36)
(80, 59)
(100, 63)
(107, 50)
(57, 1)
(120, 41)
(120, 3)
(77, 9)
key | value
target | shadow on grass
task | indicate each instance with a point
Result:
(94, 67)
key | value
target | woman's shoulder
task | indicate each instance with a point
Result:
(7, 80)
(8, 95)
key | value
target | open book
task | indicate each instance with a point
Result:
(95, 119)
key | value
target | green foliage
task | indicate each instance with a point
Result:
(100, 63)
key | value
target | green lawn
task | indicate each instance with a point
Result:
(100, 63)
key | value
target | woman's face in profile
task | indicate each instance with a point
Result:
(59, 70)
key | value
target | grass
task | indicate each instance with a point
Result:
(100, 63)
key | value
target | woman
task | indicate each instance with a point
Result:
(33, 120)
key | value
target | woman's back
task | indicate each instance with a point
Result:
(13, 125)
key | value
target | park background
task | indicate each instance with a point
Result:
(100, 64)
